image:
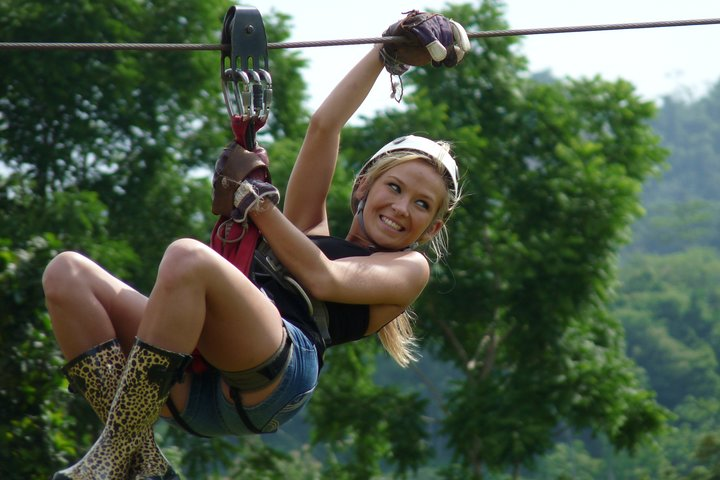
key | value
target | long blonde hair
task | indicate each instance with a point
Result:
(399, 340)
(398, 337)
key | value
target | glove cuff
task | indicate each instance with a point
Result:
(253, 196)
(392, 64)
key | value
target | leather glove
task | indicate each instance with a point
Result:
(234, 165)
(253, 196)
(433, 38)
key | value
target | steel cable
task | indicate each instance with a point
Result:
(351, 41)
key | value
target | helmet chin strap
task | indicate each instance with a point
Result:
(361, 221)
(373, 244)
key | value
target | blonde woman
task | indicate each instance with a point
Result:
(262, 339)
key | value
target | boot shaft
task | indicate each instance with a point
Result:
(95, 374)
(145, 385)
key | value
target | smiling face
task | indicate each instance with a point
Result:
(401, 206)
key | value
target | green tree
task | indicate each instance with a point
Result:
(520, 309)
(569, 461)
(29, 436)
(690, 130)
(126, 125)
(98, 151)
(683, 204)
(669, 305)
(362, 424)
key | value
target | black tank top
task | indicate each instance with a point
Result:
(347, 322)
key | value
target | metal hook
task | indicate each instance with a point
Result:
(256, 98)
(247, 88)
(267, 93)
(235, 100)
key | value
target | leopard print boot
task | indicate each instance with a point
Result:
(149, 463)
(95, 374)
(143, 389)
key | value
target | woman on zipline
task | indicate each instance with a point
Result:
(262, 347)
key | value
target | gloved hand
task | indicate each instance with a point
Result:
(234, 165)
(434, 38)
(253, 196)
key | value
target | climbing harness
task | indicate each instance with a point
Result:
(267, 264)
(247, 90)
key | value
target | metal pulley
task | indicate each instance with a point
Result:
(244, 71)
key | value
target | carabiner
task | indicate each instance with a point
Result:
(246, 85)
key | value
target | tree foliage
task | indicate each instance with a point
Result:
(99, 150)
(30, 433)
(553, 175)
(98, 153)
(555, 187)
(670, 306)
(667, 299)
(683, 205)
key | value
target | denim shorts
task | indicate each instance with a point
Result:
(209, 413)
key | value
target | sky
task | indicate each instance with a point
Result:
(658, 61)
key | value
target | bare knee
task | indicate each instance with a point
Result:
(183, 263)
(65, 273)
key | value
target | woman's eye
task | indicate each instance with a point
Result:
(394, 186)
(423, 204)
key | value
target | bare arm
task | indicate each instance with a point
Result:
(391, 278)
(309, 184)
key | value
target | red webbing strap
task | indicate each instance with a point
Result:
(239, 253)
(225, 241)
(244, 130)
(243, 28)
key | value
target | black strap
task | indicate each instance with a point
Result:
(183, 424)
(267, 261)
(271, 371)
(235, 394)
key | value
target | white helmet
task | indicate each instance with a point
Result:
(422, 145)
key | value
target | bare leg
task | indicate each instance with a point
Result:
(88, 306)
(201, 300)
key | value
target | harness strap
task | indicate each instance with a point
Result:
(256, 378)
(235, 395)
(322, 320)
(264, 374)
(316, 308)
(180, 421)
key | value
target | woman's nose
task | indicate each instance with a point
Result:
(400, 207)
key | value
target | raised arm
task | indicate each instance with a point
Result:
(431, 38)
(391, 278)
(307, 190)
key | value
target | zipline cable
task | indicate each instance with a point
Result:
(351, 41)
